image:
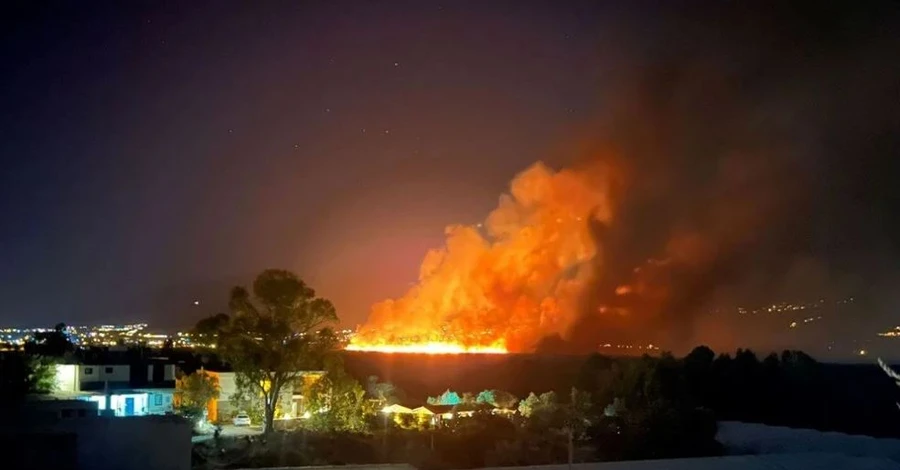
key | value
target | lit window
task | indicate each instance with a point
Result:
(88, 371)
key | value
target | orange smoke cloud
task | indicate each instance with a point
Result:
(507, 284)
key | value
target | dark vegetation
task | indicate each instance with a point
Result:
(619, 409)
(786, 389)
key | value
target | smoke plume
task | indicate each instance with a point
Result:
(717, 165)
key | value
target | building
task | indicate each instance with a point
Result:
(435, 414)
(120, 389)
(292, 402)
(71, 435)
(43, 409)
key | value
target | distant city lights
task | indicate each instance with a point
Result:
(895, 333)
(136, 334)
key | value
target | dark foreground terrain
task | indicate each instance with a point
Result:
(852, 398)
(423, 375)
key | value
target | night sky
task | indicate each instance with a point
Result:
(154, 154)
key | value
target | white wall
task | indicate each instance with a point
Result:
(159, 401)
(227, 385)
(101, 373)
(66, 378)
(118, 403)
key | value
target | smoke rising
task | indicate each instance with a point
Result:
(513, 280)
(730, 163)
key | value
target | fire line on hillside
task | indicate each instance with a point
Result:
(504, 285)
(428, 348)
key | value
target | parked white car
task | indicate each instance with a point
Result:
(242, 419)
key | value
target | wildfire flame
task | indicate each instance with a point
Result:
(503, 285)
(429, 348)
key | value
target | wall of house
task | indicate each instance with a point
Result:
(169, 372)
(67, 378)
(90, 373)
(160, 373)
(227, 383)
(159, 401)
(119, 403)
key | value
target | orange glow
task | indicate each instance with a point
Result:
(429, 348)
(504, 284)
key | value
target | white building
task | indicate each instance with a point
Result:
(117, 389)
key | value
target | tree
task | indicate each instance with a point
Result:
(41, 376)
(698, 374)
(579, 409)
(23, 374)
(273, 335)
(528, 404)
(338, 402)
(537, 405)
(652, 415)
(497, 398)
(384, 392)
(505, 400)
(195, 391)
(446, 398)
(53, 343)
(485, 396)
(208, 328)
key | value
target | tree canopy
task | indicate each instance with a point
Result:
(385, 392)
(338, 402)
(497, 398)
(274, 333)
(446, 398)
(195, 391)
(52, 343)
(24, 374)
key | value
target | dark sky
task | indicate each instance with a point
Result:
(156, 153)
